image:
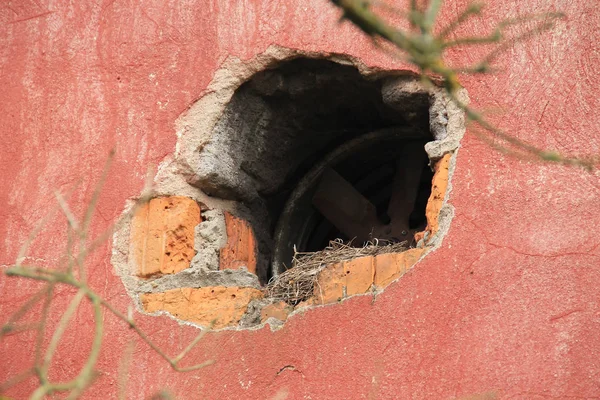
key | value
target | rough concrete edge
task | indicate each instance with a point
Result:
(120, 253)
(448, 131)
(447, 123)
(119, 261)
(195, 125)
(134, 286)
(450, 143)
(197, 271)
(170, 181)
(165, 313)
(210, 236)
(193, 129)
(187, 277)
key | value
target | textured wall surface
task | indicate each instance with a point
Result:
(509, 304)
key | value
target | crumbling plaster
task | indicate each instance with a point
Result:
(179, 175)
(507, 306)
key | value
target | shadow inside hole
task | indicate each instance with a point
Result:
(368, 167)
(289, 118)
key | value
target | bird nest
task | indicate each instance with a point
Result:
(297, 283)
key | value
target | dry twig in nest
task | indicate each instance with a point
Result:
(297, 283)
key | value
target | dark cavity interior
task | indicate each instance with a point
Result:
(313, 151)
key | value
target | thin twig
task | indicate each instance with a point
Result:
(123, 373)
(144, 337)
(80, 230)
(472, 9)
(60, 330)
(43, 320)
(39, 226)
(8, 326)
(16, 379)
(86, 376)
(425, 50)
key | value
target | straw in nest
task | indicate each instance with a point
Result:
(297, 283)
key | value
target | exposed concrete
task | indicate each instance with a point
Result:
(252, 317)
(511, 307)
(170, 180)
(197, 278)
(248, 138)
(275, 124)
(405, 94)
(211, 236)
(446, 122)
(195, 126)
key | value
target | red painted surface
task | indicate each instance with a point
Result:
(508, 304)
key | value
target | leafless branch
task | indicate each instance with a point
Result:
(425, 50)
(77, 249)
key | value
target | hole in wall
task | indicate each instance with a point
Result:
(371, 189)
(290, 149)
(312, 150)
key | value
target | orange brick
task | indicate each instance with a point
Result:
(391, 266)
(439, 185)
(311, 301)
(240, 250)
(347, 278)
(279, 310)
(162, 235)
(218, 306)
(359, 275)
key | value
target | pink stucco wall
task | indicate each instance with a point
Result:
(508, 305)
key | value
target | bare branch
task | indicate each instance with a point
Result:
(192, 344)
(67, 211)
(425, 50)
(16, 379)
(144, 337)
(472, 9)
(60, 330)
(89, 213)
(430, 15)
(43, 320)
(493, 38)
(40, 225)
(8, 327)
(86, 376)
(123, 372)
(80, 230)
